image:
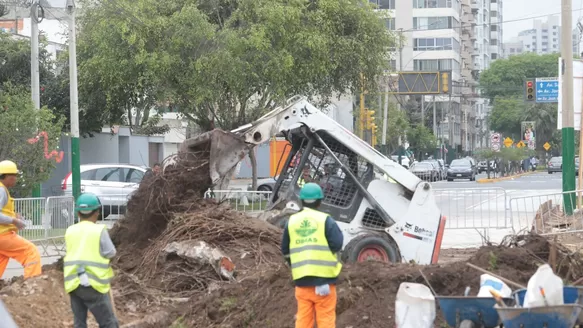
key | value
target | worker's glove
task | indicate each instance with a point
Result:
(323, 290)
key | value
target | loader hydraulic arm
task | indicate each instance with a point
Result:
(299, 112)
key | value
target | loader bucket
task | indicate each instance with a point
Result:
(226, 151)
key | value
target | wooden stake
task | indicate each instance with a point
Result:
(510, 282)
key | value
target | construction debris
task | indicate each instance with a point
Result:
(192, 262)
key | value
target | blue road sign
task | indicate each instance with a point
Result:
(547, 90)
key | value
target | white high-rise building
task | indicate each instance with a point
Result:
(543, 38)
(462, 36)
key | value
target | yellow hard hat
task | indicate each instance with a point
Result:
(8, 167)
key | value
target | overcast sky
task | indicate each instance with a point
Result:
(523, 9)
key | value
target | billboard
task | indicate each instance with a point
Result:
(528, 134)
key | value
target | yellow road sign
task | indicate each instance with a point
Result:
(508, 142)
(547, 146)
(520, 144)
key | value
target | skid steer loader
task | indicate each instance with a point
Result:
(385, 212)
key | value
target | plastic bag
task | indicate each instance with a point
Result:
(544, 279)
(488, 282)
(415, 306)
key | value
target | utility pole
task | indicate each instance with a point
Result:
(34, 55)
(386, 117)
(423, 110)
(34, 68)
(75, 156)
(568, 130)
(400, 141)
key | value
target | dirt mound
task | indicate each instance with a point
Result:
(168, 218)
(366, 291)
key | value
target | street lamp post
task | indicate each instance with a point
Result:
(75, 156)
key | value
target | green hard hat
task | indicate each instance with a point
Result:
(311, 191)
(87, 203)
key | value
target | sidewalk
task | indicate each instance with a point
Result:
(486, 180)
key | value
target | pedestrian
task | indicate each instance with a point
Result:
(155, 170)
(310, 242)
(86, 267)
(11, 244)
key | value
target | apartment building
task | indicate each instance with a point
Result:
(543, 38)
(462, 36)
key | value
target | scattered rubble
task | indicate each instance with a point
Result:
(185, 261)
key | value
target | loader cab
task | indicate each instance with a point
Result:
(341, 196)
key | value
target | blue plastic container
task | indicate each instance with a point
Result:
(570, 296)
(479, 310)
(560, 316)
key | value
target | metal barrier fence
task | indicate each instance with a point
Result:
(547, 214)
(473, 208)
(113, 206)
(241, 200)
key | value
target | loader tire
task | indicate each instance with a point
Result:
(371, 247)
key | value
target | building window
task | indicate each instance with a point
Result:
(494, 42)
(383, 4)
(432, 44)
(493, 28)
(434, 23)
(393, 65)
(494, 56)
(434, 65)
(512, 50)
(390, 23)
(435, 4)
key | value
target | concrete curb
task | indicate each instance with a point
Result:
(504, 178)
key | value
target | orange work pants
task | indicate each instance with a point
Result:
(23, 251)
(314, 308)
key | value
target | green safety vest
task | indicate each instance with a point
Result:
(82, 242)
(309, 251)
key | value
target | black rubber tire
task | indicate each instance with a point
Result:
(550, 172)
(355, 246)
(264, 188)
(467, 324)
(449, 179)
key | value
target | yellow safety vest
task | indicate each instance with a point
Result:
(82, 242)
(310, 254)
(301, 183)
(8, 210)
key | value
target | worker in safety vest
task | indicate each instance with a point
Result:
(86, 266)
(310, 242)
(305, 177)
(11, 244)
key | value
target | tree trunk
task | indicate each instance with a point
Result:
(253, 160)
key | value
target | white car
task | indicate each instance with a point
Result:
(405, 161)
(112, 183)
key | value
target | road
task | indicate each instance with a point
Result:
(493, 210)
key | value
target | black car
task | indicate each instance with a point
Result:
(461, 169)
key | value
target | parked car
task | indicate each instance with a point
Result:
(405, 161)
(265, 184)
(440, 166)
(112, 183)
(482, 166)
(555, 164)
(461, 169)
(426, 171)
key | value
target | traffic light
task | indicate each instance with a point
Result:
(444, 82)
(369, 119)
(530, 91)
(373, 130)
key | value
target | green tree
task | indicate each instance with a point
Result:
(421, 140)
(506, 115)
(15, 61)
(506, 77)
(21, 124)
(225, 63)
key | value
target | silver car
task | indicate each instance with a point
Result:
(112, 183)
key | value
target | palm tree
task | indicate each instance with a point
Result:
(544, 117)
